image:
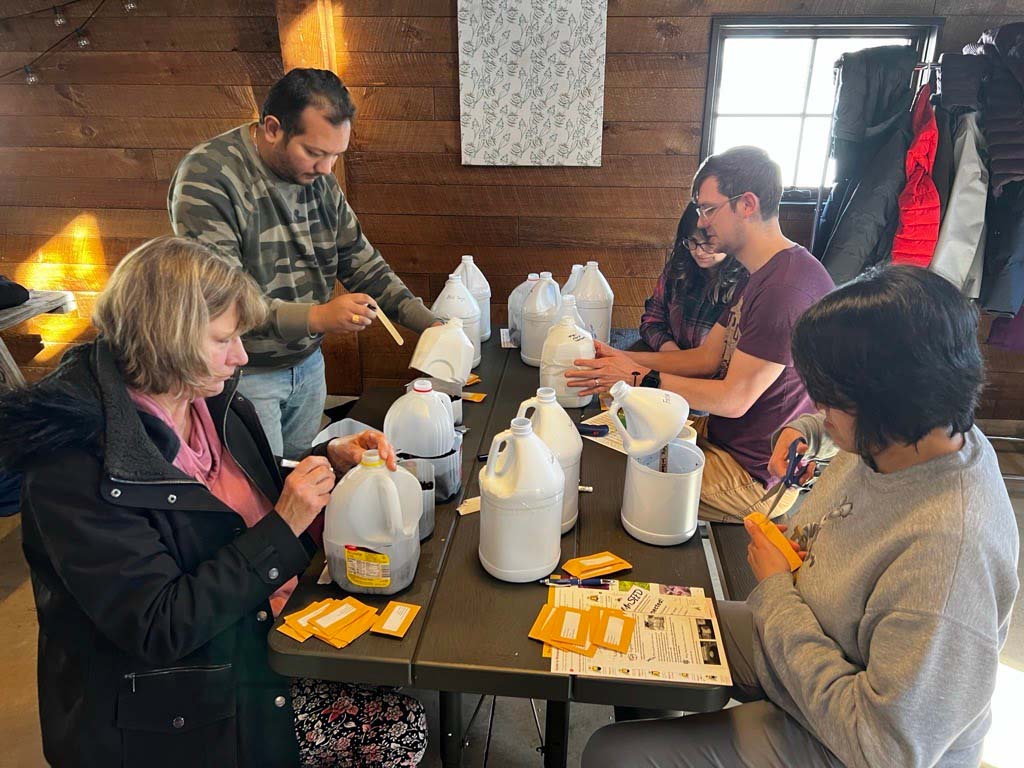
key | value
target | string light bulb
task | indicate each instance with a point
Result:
(83, 41)
(59, 19)
(130, 6)
(31, 78)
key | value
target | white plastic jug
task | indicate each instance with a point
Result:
(554, 426)
(455, 300)
(662, 494)
(574, 279)
(653, 417)
(594, 299)
(566, 342)
(515, 306)
(477, 284)
(521, 491)
(540, 310)
(569, 309)
(371, 528)
(444, 352)
(420, 425)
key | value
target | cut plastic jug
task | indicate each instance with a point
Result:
(477, 284)
(455, 300)
(444, 352)
(420, 425)
(521, 490)
(540, 311)
(594, 300)
(371, 528)
(574, 279)
(662, 494)
(554, 426)
(515, 306)
(653, 417)
(566, 342)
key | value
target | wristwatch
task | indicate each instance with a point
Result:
(652, 380)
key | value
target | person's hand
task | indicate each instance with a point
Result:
(764, 557)
(780, 455)
(345, 452)
(307, 489)
(598, 375)
(345, 312)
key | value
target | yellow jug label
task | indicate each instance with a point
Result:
(366, 568)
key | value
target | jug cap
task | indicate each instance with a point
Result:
(522, 426)
(567, 320)
(423, 385)
(533, 276)
(467, 258)
(619, 390)
(371, 459)
(591, 263)
(454, 278)
(546, 395)
(545, 275)
(577, 267)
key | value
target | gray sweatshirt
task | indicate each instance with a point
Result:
(886, 645)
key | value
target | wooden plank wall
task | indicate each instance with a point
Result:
(424, 210)
(87, 153)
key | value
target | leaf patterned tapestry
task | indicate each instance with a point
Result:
(531, 81)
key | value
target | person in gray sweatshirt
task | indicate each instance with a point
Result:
(882, 648)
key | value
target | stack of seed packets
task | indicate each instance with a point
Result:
(582, 630)
(591, 566)
(339, 622)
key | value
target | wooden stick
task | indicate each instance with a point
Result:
(387, 324)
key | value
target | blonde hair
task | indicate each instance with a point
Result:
(157, 305)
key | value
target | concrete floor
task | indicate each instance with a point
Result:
(514, 738)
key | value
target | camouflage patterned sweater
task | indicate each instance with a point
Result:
(293, 239)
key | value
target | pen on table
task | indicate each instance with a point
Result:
(574, 582)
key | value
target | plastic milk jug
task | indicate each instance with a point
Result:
(521, 491)
(566, 343)
(552, 425)
(371, 528)
(515, 306)
(574, 279)
(477, 284)
(420, 425)
(594, 299)
(444, 352)
(569, 309)
(540, 310)
(653, 417)
(455, 300)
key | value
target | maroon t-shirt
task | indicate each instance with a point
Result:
(760, 323)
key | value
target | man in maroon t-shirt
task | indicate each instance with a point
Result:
(742, 374)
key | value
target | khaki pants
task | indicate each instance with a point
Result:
(727, 491)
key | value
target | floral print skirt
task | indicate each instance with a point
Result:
(340, 725)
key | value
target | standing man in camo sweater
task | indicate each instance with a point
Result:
(264, 197)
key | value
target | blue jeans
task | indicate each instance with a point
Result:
(290, 404)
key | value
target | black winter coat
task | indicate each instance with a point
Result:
(152, 595)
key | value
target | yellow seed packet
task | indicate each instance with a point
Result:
(613, 629)
(591, 566)
(567, 626)
(293, 633)
(356, 629)
(474, 397)
(395, 619)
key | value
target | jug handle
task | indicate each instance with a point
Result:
(447, 400)
(525, 406)
(627, 439)
(391, 504)
(500, 439)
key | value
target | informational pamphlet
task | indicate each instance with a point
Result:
(676, 636)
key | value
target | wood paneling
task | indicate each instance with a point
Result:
(110, 132)
(153, 68)
(440, 230)
(160, 9)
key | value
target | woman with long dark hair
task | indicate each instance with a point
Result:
(696, 285)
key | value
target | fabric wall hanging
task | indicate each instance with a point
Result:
(531, 81)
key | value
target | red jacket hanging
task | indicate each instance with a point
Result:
(919, 202)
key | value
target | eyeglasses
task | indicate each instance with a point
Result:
(693, 245)
(707, 211)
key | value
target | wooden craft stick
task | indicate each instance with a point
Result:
(387, 324)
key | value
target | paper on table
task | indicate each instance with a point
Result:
(469, 506)
(506, 340)
(613, 439)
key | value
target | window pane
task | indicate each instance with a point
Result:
(813, 148)
(775, 135)
(764, 75)
(828, 51)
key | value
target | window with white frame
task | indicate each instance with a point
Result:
(771, 84)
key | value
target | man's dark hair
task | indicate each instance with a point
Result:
(744, 169)
(898, 348)
(303, 88)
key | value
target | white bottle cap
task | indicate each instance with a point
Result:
(545, 275)
(467, 259)
(422, 385)
(619, 389)
(533, 276)
(591, 263)
(454, 278)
